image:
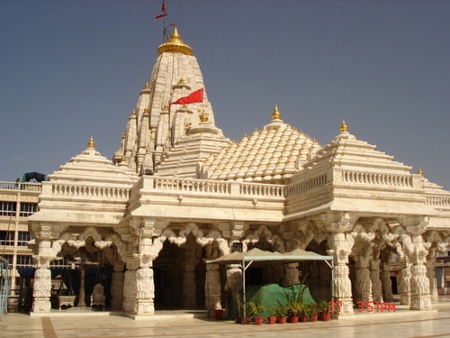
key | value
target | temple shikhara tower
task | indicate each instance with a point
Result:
(178, 193)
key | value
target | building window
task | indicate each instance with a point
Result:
(7, 208)
(7, 238)
(27, 209)
(9, 258)
(23, 239)
(24, 261)
(61, 263)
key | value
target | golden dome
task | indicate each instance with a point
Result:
(175, 44)
(343, 127)
(91, 143)
(203, 117)
(276, 114)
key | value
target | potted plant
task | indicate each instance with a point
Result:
(293, 309)
(255, 310)
(324, 307)
(281, 314)
(314, 312)
(304, 312)
(272, 318)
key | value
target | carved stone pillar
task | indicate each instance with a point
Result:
(377, 291)
(420, 285)
(341, 242)
(189, 294)
(129, 285)
(42, 286)
(363, 283)
(145, 292)
(212, 283)
(46, 252)
(117, 282)
(291, 275)
(213, 290)
(139, 299)
(234, 279)
(386, 283)
(431, 273)
(405, 282)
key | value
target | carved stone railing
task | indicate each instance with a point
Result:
(438, 201)
(256, 189)
(306, 184)
(185, 185)
(89, 191)
(378, 179)
(181, 185)
(20, 186)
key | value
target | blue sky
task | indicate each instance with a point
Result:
(72, 69)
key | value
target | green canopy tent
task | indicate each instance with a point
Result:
(245, 259)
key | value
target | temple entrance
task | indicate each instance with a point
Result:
(79, 272)
(179, 276)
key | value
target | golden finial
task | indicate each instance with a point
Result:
(175, 44)
(343, 127)
(276, 114)
(133, 113)
(147, 85)
(91, 143)
(420, 172)
(182, 80)
(146, 110)
(203, 117)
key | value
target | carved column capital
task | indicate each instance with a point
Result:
(149, 227)
(44, 231)
(415, 225)
(233, 230)
(338, 221)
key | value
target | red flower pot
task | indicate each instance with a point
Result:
(271, 319)
(282, 319)
(293, 319)
(259, 320)
(326, 316)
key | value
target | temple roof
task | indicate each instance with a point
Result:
(155, 125)
(271, 154)
(91, 166)
(346, 151)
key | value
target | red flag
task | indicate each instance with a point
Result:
(163, 9)
(160, 16)
(193, 97)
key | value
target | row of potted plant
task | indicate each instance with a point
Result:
(294, 311)
(306, 312)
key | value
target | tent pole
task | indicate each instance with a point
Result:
(243, 290)
(244, 296)
(333, 298)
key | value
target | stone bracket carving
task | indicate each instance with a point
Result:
(338, 221)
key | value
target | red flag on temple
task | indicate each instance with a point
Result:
(163, 9)
(193, 97)
(160, 16)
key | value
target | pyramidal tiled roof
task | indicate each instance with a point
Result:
(91, 167)
(270, 155)
(346, 151)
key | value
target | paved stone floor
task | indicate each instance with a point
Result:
(87, 324)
